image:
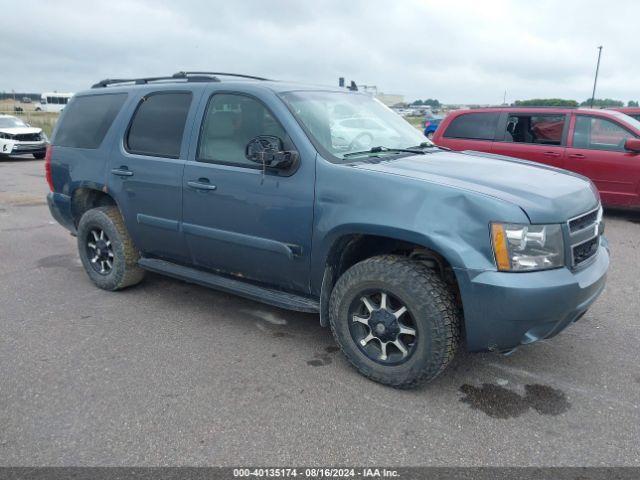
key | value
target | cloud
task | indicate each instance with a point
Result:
(458, 51)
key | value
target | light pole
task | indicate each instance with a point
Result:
(595, 81)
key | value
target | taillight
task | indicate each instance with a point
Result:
(47, 166)
(426, 124)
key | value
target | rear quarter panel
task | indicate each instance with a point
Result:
(458, 144)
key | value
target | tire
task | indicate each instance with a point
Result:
(113, 247)
(431, 312)
(38, 156)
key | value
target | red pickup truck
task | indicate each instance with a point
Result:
(603, 145)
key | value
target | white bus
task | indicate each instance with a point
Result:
(53, 101)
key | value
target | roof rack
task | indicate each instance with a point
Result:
(145, 80)
(223, 74)
(188, 76)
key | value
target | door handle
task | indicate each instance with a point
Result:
(122, 172)
(577, 155)
(200, 185)
(551, 154)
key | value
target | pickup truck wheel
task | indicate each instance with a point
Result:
(395, 320)
(106, 249)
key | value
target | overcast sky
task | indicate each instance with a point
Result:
(455, 51)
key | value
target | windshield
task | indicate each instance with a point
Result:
(11, 122)
(628, 119)
(344, 123)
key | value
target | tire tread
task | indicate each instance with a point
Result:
(437, 297)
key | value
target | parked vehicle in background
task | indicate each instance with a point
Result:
(402, 248)
(603, 145)
(431, 124)
(25, 100)
(18, 137)
(631, 111)
(53, 101)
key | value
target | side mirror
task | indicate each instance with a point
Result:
(268, 151)
(632, 144)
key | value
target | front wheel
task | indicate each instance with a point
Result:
(395, 320)
(38, 156)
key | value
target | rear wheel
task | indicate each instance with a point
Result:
(395, 320)
(106, 249)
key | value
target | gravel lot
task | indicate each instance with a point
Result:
(169, 373)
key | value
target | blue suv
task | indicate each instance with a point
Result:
(404, 249)
(431, 124)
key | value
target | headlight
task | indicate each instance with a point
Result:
(520, 248)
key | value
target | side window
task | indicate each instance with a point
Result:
(474, 126)
(599, 134)
(87, 119)
(231, 120)
(158, 125)
(537, 129)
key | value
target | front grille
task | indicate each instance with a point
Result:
(583, 222)
(585, 251)
(584, 234)
(27, 137)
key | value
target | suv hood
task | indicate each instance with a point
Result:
(20, 130)
(546, 194)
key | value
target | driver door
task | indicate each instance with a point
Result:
(597, 152)
(241, 219)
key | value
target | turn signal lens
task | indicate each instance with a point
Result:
(500, 250)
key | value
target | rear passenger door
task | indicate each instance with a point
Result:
(471, 131)
(240, 219)
(535, 136)
(145, 174)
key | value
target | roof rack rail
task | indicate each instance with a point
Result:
(223, 74)
(142, 81)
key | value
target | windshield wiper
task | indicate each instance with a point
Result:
(382, 149)
(430, 145)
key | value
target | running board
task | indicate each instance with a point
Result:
(244, 289)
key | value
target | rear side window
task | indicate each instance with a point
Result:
(475, 126)
(539, 129)
(86, 120)
(158, 125)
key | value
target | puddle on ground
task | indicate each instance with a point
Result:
(322, 359)
(69, 261)
(500, 402)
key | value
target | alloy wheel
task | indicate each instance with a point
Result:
(100, 251)
(382, 327)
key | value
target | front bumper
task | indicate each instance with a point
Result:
(12, 147)
(503, 310)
